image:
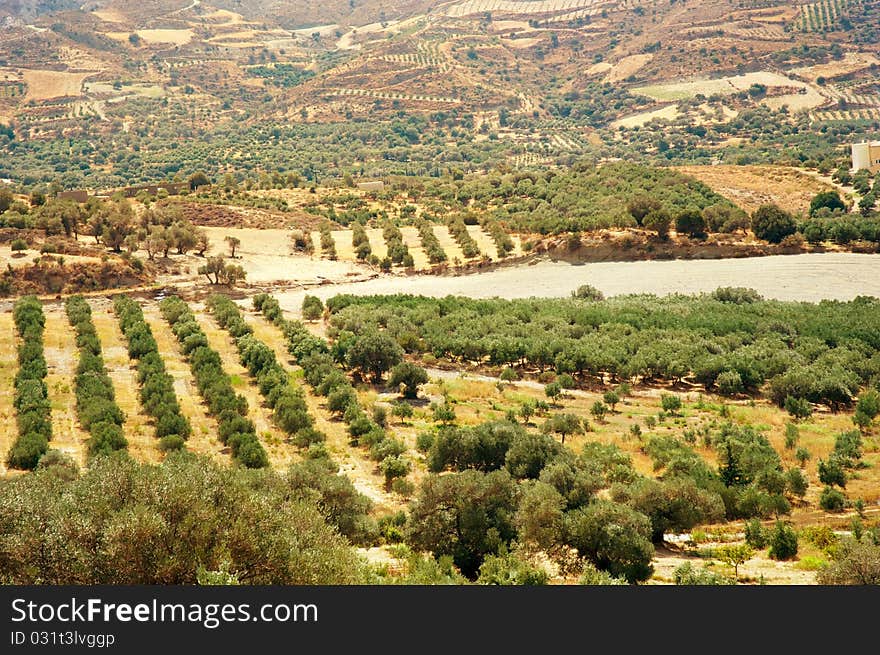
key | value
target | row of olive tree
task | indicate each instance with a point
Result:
(31, 394)
(96, 404)
(156, 385)
(323, 372)
(287, 401)
(234, 429)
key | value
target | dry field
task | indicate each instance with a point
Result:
(669, 112)
(8, 367)
(808, 99)
(626, 67)
(46, 85)
(751, 186)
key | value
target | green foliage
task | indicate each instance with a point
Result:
(466, 515)
(164, 524)
(312, 308)
(95, 402)
(783, 542)
(826, 199)
(30, 397)
(509, 569)
(157, 386)
(688, 574)
(755, 534)
(410, 377)
(613, 537)
(832, 500)
(772, 224)
(815, 353)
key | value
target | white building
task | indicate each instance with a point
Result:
(866, 155)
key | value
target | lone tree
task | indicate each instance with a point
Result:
(773, 224)
(312, 308)
(563, 425)
(234, 242)
(410, 377)
(734, 555)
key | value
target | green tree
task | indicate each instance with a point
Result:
(773, 224)
(410, 377)
(734, 555)
(563, 425)
(614, 537)
(690, 222)
(826, 199)
(312, 308)
(783, 542)
(467, 515)
(373, 353)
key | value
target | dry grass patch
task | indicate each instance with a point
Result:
(45, 85)
(62, 357)
(752, 186)
(8, 368)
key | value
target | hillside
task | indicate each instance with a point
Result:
(367, 88)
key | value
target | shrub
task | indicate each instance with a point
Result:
(832, 500)
(312, 308)
(755, 534)
(772, 224)
(783, 542)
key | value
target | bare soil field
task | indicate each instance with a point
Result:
(808, 277)
(852, 62)
(626, 67)
(808, 99)
(669, 112)
(45, 85)
(267, 257)
(752, 186)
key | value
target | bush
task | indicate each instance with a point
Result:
(18, 245)
(832, 500)
(772, 224)
(312, 308)
(588, 292)
(755, 534)
(783, 542)
(410, 377)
